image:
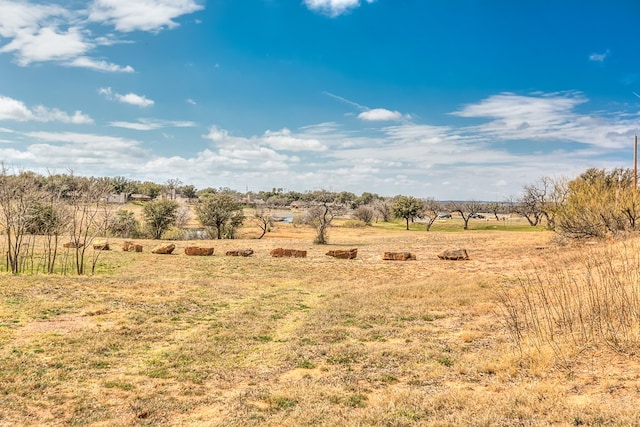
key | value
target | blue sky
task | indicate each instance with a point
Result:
(462, 99)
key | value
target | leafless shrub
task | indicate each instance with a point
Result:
(365, 214)
(573, 306)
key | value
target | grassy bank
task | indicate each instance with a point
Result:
(177, 340)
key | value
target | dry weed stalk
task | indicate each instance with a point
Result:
(572, 305)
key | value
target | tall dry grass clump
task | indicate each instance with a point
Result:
(576, 303)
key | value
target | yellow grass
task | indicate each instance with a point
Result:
(261, 341)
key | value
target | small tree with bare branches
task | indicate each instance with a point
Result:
(18, 195)
(324, 209)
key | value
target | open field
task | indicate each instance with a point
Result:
(224, 341)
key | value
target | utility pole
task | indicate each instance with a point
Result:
(635, 163)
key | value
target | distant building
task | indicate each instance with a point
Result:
(117, 198)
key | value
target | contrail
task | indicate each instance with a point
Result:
(635, 94)
(346, 101)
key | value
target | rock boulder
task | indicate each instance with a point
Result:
(73, 245)
(290, 253)
(101, 246)
(240, 252)
(454, 255)
(163, 249)
(398, 256)
(129, 246)
(343, 253)
(198, 251)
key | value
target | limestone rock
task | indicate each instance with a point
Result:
(163, 249)
(240, 252)
(73, 245)
(398, 256)
(291, 253)
(454, 254)
(343, 253)
(101, 246)
(129, 246)
(198, 251)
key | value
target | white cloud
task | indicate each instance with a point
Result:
(381, 114)
(144, 15)
(46, 44)
(191, 101)
(216, 134)
(333, 8)
(512, 140)
(599, 57)
(134, 99)
(15, 16)
(151, 124)
(547, 117)
(81, 150)
(85, 62)
(284, 140)
(129, 98)
(44, 114)
(12, 109)
(41, 33)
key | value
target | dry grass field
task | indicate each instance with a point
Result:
(260, 341)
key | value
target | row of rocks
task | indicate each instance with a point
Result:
(199, 251)
(128, 246)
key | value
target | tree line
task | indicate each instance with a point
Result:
(597, 203)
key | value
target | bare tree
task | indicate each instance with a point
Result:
(530, 204)
(262, 218)
(49, 219)
(89, 216)
(18, 195)
(495, 208)
(383, 208)
(431, 210)
(183, 216)
(365, 214)
(466, 210)
(323, 211)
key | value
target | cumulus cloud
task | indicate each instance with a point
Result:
(46, 44)
(141, 15)
(129, 98)
(134, 99)
(41, 33)
(15, 110)
(333, 8)
(381, 115)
